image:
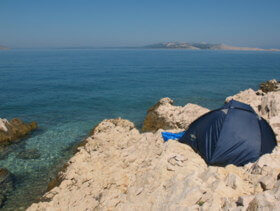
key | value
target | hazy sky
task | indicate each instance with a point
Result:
(55, 23)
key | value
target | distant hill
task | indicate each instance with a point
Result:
(3, 48)
(202, 46)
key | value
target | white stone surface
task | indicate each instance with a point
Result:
(3, 125)
(164, 115)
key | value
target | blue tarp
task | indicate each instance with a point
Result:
(167, 135)
(233, 134)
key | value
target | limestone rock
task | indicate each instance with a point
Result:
(164, 115)
(267, 182)
(270, 86)
(270, 104)
(3, 125)
(119, 168)
(248, 96)
(14, 129)
(264, 201)
(244, 201)
(268, 163)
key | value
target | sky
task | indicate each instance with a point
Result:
(113, 23)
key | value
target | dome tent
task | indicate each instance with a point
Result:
(233, 134)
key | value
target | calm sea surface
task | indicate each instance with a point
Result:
(69, 91)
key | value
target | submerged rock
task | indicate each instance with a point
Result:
(29, 154)
(12, 130)
(6, 184)
(163, 115)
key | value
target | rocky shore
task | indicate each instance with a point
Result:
(119, 167)
(10, 132)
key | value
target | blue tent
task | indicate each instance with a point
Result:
(233, 134)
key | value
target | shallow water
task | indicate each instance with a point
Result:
(69, 91)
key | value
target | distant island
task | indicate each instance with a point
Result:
(202, 46)
(3, 47)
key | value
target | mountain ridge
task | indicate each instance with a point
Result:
(202, 46)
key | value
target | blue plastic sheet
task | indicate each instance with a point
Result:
(167, 135)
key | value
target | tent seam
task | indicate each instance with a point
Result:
(222, 126)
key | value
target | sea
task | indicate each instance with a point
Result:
(68, 91)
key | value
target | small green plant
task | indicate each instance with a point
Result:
(200, 203)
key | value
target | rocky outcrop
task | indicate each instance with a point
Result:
(164, 115)
(14, 129)
(6, 184)
(119, 168)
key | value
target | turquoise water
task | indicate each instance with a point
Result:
(69, 91)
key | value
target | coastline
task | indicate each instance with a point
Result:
(119, 167)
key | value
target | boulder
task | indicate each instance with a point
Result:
(164, 115)
(12, 130)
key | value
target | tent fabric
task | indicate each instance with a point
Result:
(233, 134)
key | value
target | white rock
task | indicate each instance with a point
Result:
(263, 201)
(247, 96)
(267, 182)
(270, 104)
(244, 201)
(163, 115)
(3, 125)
